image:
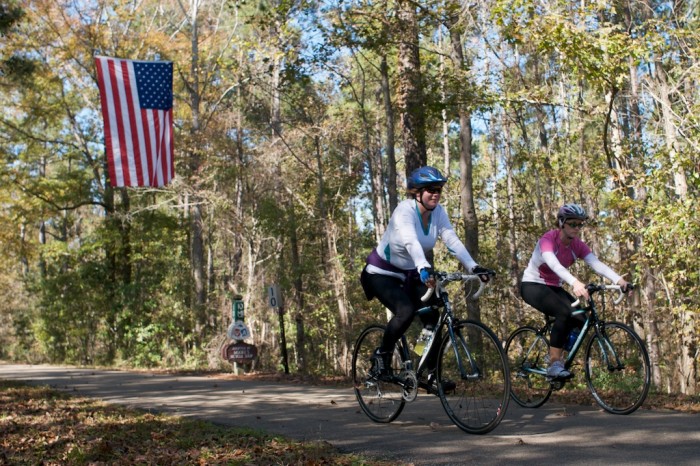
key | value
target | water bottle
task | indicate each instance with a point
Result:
(423, 340)
(573, 336)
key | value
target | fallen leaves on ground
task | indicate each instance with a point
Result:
(39, 425)
(683, 403)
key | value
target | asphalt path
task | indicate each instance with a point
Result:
(422, 435)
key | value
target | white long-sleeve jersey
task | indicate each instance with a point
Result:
(405, 242)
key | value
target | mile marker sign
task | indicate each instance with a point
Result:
(275, 296)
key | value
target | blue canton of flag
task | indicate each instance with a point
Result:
(154, 81)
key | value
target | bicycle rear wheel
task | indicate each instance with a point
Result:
(476, 363)
(526, 351)
(381, 401)
(617, 369)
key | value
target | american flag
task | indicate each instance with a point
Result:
(137, 107)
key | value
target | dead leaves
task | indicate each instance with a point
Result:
(40, 426)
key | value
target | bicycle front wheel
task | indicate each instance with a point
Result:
(526, 352)
(617, 369)
(381, 401)
(473, 379)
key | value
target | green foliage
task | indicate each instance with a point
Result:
(10, 13)
(72, 304)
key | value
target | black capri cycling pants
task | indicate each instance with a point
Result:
(553, 301)
(403, 300)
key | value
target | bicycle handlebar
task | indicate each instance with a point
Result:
(443, 278)
(592, 288)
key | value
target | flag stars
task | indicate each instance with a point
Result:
(154, 81)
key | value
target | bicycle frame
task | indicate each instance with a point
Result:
(447, 320)
(592, 322)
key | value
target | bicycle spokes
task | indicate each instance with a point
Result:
(617, 369)
(473, 366)
(526, 350)
(381, 400)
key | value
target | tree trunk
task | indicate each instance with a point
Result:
(466, 182)
(647, 328)
(663, 92)
(198, 261)
(298, 291)
(514, 268)
(379, 216)
(410, 93)
(684, 320)
(390, 138)
(332, 265)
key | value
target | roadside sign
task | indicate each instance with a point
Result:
(241, 353)
(275, 296)
(237, 311)
(238, 331)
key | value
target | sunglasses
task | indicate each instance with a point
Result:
(434, 190)
(575, 225)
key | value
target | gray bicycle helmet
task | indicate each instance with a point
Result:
(568, 211)
(425, 176)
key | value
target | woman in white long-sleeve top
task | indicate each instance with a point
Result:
(398, 272)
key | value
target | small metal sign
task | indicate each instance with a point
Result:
(241, 353)
(275, 296)
(238, 331)
(237, 311)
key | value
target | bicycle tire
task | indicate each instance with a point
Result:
(526, 350)
(480, 399)
(618, 391)
(381, 401)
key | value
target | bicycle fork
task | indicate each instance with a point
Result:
(456, 340)
(607, 349)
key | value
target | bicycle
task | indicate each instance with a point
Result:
(616, 362)
(470, 355)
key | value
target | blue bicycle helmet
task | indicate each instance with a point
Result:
(568, 211)
(425, 176)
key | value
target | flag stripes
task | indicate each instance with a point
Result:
(136, 100)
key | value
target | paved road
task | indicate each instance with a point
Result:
(423, 435)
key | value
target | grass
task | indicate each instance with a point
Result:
(39, 425)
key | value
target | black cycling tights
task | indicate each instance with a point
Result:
(402, 300)
(553, 301)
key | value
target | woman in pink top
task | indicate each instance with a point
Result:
(546, 272)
